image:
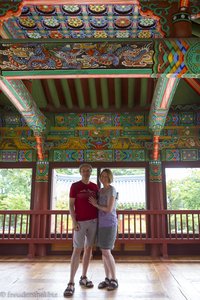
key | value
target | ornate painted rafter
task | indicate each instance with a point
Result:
(162, 99)
(22, 100)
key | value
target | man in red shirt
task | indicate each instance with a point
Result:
(84, 218)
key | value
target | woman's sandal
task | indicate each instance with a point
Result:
(104, 284)
(113, 284)
(69, 291)
(85, 282)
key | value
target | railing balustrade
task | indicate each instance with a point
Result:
(134, 226)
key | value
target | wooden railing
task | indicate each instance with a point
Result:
(134, 226)
(159, 226)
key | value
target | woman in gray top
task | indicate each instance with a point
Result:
(107, 227)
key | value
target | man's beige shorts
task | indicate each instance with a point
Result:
(86, 235)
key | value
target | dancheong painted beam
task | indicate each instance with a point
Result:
(83, 58)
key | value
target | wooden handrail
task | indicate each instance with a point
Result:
(134, 226)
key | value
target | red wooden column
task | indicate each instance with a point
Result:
(156, 201)
(162, 98)
(41, 203)
(181, 21)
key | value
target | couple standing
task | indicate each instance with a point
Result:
(91, 208)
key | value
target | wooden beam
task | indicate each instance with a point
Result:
(171, 58)
(74, 2)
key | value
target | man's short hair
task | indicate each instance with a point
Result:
(85, 165)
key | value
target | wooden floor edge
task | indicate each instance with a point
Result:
(66, 259)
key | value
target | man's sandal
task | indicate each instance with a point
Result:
(69, 291)
(104, 284)
(85, 282)
(113, 284)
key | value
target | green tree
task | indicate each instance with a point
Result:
(173, 194)
(184, 193)
(190, 191)
(15, 189)
(63, 201)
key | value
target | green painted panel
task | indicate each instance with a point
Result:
(93, 95)
(66, 91)
(38, 93)
(54, 93)
(118, 92)
(79, 72)
(4, 99)
(79, 93)
(143, 92)
(185, 94)
(131, 87)
(104, 91)
(196, 29)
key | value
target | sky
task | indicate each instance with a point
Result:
(177, 173)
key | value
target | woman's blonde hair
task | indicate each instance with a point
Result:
(109, 173)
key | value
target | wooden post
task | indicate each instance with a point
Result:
(156, 200)
(41, 200)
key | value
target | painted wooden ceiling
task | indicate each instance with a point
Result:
(64, 21)
(92, 22)
(101, 94)
(74, 21)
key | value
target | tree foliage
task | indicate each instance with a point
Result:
(184, 193)
(15, 189)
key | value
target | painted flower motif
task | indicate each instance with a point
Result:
(71, 8)
(98, 22)
(75, 22)
(48, 9)
(60, 119)
(33, 35)
(124, 9)
(122, 22)
(97, 8)
(147, 22)
(56, 35)
(100, 34)
(51, 22)
(122, 34)
(77, 34)
(144, 34)
(27, 22)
